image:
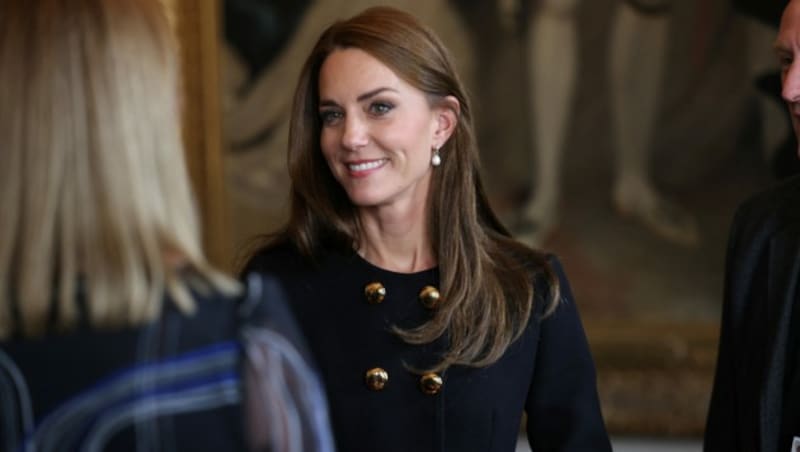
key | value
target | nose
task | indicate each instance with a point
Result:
(790, 90)
(354, 133)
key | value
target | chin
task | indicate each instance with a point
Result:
(364, 199)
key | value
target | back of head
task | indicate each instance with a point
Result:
(93, 185)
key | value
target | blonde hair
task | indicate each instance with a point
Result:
(93, 185)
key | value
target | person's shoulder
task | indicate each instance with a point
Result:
(782, 197)
(265, 306)
(544, 267)
(274, 257)
(773, 207)
(551, 273)
(263, 298)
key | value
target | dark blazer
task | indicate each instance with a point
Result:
(548, 373)
(762, 270)
(176, 383)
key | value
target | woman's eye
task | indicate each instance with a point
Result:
(329, 117)
(380, 108)
(785, 58)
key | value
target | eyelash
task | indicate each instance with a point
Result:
(330, 117)
(785, 59)
(380, 108)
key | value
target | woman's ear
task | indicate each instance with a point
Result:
(446, 113)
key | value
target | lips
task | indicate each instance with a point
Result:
(367, 165)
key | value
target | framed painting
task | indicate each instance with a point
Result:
(618, 134)
(197, 28)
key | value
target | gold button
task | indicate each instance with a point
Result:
(430, 383)
(375, 292)
(376, 378)
(429, 297)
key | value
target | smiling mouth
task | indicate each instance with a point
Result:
(366, 166)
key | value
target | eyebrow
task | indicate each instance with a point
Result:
(373, 93)
(361, 98)
(780, 47)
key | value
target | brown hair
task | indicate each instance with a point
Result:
(486, 276)
(93, 184)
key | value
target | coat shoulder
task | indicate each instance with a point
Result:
(276, 258)
(779, 201)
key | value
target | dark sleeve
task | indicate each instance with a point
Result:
(563, 407)
(266, 305)
(284, 402)
(274, 258)
(721, 426)
(254, 264)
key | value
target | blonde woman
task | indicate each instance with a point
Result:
(115, 334)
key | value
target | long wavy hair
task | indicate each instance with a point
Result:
(486, 276)
(94, 189)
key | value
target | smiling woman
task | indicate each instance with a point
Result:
(433, 328)
(379, 135)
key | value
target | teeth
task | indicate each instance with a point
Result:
(366, 165)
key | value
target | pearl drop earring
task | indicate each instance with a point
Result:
(436, 159)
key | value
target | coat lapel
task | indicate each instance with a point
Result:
(784, 270)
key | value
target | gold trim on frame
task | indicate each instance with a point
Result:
(198, 25)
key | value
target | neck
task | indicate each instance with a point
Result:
(396, 239)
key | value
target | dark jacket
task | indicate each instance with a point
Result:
(547, 373)
(757, 350)
(177, 383)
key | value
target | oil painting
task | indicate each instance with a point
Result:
(618, 134)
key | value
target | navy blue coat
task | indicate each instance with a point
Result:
(548, 373)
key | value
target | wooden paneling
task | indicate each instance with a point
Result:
(198, 23)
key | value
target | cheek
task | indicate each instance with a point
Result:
(416, 135)
(327, 145)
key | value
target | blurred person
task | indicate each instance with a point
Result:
(755, 402)
(434, 330)
(115, 333)
(762, 18)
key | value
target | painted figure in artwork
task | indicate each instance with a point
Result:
(636, 58)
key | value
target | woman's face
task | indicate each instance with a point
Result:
(378, 131)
